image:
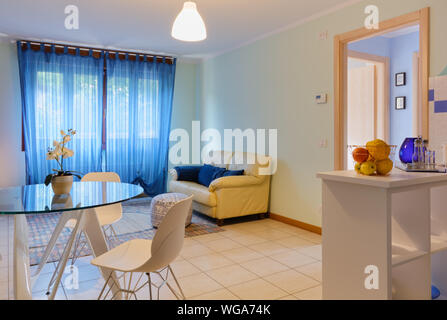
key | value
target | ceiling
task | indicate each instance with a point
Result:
(145, 25)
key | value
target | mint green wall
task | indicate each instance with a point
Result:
(271, 83)
(12, 159)
(184, 106)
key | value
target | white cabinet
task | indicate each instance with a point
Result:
(397, 223)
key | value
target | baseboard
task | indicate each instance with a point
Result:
(296, 223)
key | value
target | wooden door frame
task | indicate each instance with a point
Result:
(362, 56)
(416, 94)
(421, 18)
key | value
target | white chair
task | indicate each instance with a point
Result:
(107, 215)
(148, 256)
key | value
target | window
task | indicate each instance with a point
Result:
(120, 107)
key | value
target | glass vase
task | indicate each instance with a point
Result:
(406, 150)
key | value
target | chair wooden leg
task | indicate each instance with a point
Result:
(220, 222)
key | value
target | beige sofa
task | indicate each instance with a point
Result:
(234, 196)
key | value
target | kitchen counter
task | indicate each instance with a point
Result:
(394, 225)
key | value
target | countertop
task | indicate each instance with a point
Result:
(397, 178)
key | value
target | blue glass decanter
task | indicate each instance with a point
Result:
(406, 150)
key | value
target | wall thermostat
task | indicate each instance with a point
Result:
(321, 98)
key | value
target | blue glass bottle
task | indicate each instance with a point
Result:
(406, 150)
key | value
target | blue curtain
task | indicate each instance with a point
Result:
(60, 92)
(138, 120)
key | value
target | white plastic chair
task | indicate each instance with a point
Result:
(149, 256)
(107, 215)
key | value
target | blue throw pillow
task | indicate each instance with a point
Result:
(188, 173)
(208, 174)
(230, 173)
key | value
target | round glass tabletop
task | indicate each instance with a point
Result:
(38, 198)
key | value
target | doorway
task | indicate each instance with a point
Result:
(366, 101)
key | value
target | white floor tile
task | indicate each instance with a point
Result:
(222, 294)
(313, 270)
(269, 248)
(314, 252)
(289, 298)
(184, 268)
(198, 284)
(247, 240)
(258, 289)
(271, 234)
(208, 237)
(231, 275)
(264, 266)
(313, 237)
(293, 259)
(196, 250)
(87, 290)
(315, 293)
(242, 254)
(223, 244)
(210, 261)
(291, 281)
(294, 242)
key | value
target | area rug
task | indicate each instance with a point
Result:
(135, 224)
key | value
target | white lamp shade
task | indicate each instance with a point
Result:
(189, 25)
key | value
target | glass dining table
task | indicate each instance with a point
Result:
(78, 206)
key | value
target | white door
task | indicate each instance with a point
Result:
(361, 107)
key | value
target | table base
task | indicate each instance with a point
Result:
(86, 221)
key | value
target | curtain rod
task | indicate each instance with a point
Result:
(99, 50)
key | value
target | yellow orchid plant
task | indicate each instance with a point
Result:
(59, 152)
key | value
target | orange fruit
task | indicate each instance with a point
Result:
(384, 167)
(360, 155)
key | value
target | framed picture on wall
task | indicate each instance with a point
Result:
(401, 103)
(401, 79)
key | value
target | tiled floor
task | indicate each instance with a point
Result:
(263, 259)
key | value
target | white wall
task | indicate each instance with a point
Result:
(12, 159)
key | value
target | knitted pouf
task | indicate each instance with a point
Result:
(161, 204)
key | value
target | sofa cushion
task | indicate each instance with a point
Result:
(201, 193)
(188, 173)
(208, 174)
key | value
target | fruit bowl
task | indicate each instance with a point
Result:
(363, 156)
